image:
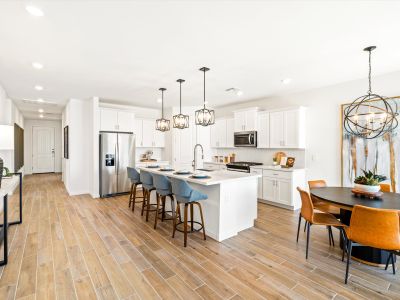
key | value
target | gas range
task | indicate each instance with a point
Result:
(241, 166)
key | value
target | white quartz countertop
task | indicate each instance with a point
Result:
(273, 168)
(217, 177)
(8, 186)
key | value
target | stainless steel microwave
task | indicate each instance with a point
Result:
(245, 139)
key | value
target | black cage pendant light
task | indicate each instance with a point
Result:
(370, 116)
(180, 121)
(162, 124)
(204, 116)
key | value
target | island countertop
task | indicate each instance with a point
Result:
(217, 176)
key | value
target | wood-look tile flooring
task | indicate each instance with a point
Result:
(77, 247)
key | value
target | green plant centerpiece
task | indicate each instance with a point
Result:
(369, 182)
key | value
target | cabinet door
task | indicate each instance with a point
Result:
(283, 192)
(291, 129)
(159, 139)
(148, 133)
(263, 130)
(214, 136)
(230, 124)
(125, 121)
(260, 183)
(221, 127)
(108, 119)
(268, 189)
(240, 121)
(251, 120)
(138, 131)
(276, 136)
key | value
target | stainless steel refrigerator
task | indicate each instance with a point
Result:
(117, 152)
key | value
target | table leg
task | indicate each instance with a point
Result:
(4, 234)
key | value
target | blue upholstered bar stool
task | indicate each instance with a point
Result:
(186, 195)
(134, 176)
(163, 190)
(147, 184)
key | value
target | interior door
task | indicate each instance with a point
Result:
(125, 158)
(43, 150)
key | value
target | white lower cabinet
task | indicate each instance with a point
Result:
(260, 182)
(280, 187)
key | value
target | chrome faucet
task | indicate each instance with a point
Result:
(194, 163)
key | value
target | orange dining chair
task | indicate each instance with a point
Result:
(385, 187)
(315, 218)
(373, 227)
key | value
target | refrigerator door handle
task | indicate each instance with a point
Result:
(116, 159)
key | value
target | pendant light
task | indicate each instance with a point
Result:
(370, 116)
(162, 124)
(204, 116)
(180, 121)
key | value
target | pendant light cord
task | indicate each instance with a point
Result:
(204, 98)
(180, 97)
(162, 104)
(369, 74)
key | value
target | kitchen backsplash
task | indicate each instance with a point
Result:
(262, 155)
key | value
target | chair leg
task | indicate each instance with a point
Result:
(344, 242)
(191, 216)
(298, 228)
(388, 260)
(202, 220)
(305, 226)
(148, 193)
(329, 235)
(144, 200)
(174, 221)
(349, 247)
(393, 265)
(163, 198)
(308, 238)
(134, 197)
(185, 224)
(130, 196)
(158, 197)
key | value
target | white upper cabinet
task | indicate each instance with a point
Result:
(116, 120)
(287, 128)
(147, 135)
(245, 120)
(221, 134)
(263, 130)
(138, 131)
(230, 130)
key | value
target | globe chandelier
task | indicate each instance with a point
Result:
(162, 124)
(180, 120)
(204, 116)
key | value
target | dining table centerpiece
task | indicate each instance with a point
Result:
(369, 182)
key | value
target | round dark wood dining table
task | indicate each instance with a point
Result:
(343, 198)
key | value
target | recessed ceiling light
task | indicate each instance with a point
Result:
(34, 11)
(40, 100)
(41, 116)
(40, 110)
(37, 65)
(286, 80)
(38, 88)
(159, 100)
(239, 93)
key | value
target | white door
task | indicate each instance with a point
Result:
(276, 137)
(291, 129)
(263, 130)
(230, 129)
(43, 150)
(268, 189)
(125, 121)
(283, 192)
(108, 119)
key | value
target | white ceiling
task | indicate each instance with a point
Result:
(126, 50)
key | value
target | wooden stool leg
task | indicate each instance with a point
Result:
(163, 208)
(134, 197)
(148, 205)
(130, 196)
(185, 224)
(191, 217)
(144, 200)
(158, 197)
(174, 222)
(202, 220)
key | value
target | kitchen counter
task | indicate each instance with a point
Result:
(273, 168)
(232, 200)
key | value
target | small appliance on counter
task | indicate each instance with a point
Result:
(241, 166)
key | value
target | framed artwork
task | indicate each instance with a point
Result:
(290, 162)
(380, 155)
(66, 142)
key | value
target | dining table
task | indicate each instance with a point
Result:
(343, 198)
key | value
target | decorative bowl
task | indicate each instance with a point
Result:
(367, 188)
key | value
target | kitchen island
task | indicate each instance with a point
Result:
(232, 200)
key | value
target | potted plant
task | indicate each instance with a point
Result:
(369, 182)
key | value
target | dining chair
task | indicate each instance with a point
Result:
(315, 218)
(373, 227)
(134, 177)
(385, 187)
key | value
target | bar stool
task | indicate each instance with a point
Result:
(147, 184)
(163, 190)
(134, 176)
(186, 195)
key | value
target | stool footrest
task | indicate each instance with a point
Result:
(189, 231)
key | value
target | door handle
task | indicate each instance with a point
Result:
(115, 158)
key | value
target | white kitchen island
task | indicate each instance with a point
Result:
(232, 200)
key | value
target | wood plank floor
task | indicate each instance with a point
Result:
(80, 248)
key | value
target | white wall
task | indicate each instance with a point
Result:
(28, 143)
(323, 125)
